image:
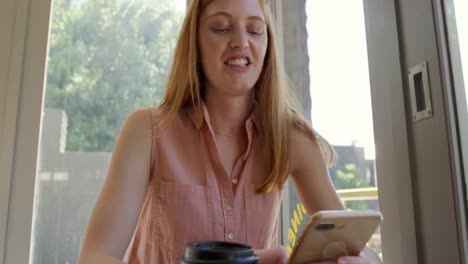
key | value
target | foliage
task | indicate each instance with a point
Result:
(348, 176)
(107, 58)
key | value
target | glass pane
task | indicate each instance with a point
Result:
(457, 19)
(341, 104)
(106, 59)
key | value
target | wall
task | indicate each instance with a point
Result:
(296, 56)
(68, 184)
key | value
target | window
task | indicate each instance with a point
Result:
(341, 103)
(106, 59)
(340, 107)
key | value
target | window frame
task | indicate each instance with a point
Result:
(20, 120)
(390, 133)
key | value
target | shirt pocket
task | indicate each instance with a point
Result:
(262, 213)
(186, 215)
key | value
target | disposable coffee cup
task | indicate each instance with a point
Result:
(211, 252)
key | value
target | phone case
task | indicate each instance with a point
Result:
(330, 234)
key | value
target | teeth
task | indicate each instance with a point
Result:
(238, 62)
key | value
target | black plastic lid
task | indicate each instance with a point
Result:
(218, 252)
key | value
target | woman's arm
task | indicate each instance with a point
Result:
(316, 191)
(310, 174)
(117, 209)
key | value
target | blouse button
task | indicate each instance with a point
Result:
(229, 207)
(231, 236)
(234, 181)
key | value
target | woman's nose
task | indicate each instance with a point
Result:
(240, 40)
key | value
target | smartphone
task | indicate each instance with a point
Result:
(331, 234)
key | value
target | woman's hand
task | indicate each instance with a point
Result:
(275, 255)
(348, 260)
(362, 259)
(354, 260)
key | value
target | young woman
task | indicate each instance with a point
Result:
(210, 163)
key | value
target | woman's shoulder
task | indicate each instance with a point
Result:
(159, 119)
(307, 143)
(156, 113)
(143, 116)
(139, 122)
(302, 134)
(149, 115)
(143, 120)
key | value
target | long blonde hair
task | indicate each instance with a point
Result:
(278, 109)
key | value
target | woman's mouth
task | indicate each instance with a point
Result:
(238, 64)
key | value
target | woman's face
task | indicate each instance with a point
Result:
(232, 41)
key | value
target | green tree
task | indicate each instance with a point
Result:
(348, 176)
(106, 59)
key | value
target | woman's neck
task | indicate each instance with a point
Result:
(228, 114)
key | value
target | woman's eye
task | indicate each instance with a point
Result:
(256, 33)
(221, 30)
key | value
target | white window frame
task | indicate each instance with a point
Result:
(27, 46)
(390, 132)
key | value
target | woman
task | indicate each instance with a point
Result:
(210, 162)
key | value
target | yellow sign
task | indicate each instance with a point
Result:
(296, 220)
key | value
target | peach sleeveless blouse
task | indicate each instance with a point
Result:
(191, 197)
